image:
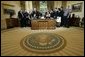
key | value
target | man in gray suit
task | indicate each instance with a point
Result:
(66, 14)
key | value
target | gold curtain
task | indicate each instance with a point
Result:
(36, 4)
(22, 3)
(50, 5)
(64, 4)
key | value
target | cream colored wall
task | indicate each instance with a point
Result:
(3, 23)
(4, 16)
(57, 4)
(81, 14)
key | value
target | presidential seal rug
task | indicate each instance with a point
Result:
(43, 42)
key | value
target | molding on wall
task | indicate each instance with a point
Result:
(7, 5)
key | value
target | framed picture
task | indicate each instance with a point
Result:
(9, 11)
(7, 8)
(77, 7)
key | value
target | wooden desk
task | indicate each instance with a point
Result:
(43, 24)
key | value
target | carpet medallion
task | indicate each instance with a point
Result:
(43, 42)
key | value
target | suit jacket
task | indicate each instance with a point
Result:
(20, 15)
(25, 15)
(61, 13)
(55, 14)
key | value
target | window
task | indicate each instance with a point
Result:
(43, 6)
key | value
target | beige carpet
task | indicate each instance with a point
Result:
(10, 41)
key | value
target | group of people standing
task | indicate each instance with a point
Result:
(61, 15)
(57, 13)
(25, 17)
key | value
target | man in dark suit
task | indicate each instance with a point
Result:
(21, 17)
(27, 21)
(52, 13)
(61, 14)
(56, 13)
(36, 14)
(25, 18)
